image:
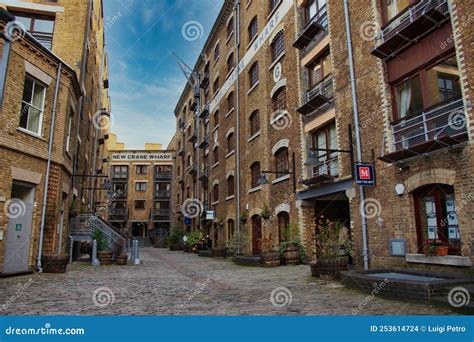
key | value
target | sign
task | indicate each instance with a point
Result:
(277, 72)
(398, 247)
(18, 227)
(365, 174)
(141, 156)
(187, 221)
(210, 215)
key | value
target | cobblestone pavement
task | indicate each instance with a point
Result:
(170, 283)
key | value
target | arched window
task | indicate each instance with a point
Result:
(216, 52)
(230, 62)
(279, 99)
(215, 193)
(283, 226)
(230, 27)
(216, 86)
(278, 45)
(272, 5)
(230, 101)
(281, 162)
(230, 142)
(230, 186)
(253, 28)
(216, 118)
(253, 75)
(215, 155)
(254, 174)
(230, 229)
(254, 122)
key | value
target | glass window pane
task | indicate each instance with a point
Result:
(409, 97)
(27, 90)
(25, 21)
(327, 67)
(443, 81)
(38, 96)
(34, 117)
(45, 26)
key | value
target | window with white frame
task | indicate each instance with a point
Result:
(31, 116)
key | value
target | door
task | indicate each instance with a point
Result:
(256, 235)
(20, 218)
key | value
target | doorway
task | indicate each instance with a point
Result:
(20, 220)
(139, 229)
(256, 235)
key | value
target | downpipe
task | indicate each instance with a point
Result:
(39, 267)
(237, 112)
(365, 251)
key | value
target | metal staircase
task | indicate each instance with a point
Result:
(83, 225)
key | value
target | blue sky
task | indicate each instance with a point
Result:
(145, 80)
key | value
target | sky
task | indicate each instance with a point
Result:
(145, 79)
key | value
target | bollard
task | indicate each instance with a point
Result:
(136, 254)
(95, 261)
(71, 245)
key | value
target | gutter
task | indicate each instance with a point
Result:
(46, 181)
(365, 251)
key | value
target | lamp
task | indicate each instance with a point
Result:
(312, 159)
(262, 180)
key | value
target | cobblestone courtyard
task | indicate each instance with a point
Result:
(170, 283)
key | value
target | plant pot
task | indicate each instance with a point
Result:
(121, 259)
(270, 259)
(54, 263)
(314, 270)
(229, 253)
(441, 251)
(219, 253)
(291, 255)
(175, 248)
(105, 257)
(329, 268)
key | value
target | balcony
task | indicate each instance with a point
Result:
(194, 104)
(205, 79)
(204, 112)
(192, 169)
(180, 151)
(180, 179)
(118, 214)
(410, 26)
(316, 25)
(161, 214)
(321, 94)
(120, 176)
(432, 130)
(192, 136)
(204, 142)
(327, 171)
(163, 176)
(204, 176)
(120, 193)
(162, 194)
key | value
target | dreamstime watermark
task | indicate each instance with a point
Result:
(370, 30)
(370, 208)
(46, 330)
(199, 288)
(458, 297)
(280, 120)
(378, 287)
(192, 30)
(192, 207)
(457, 120)
(19, 292)
(103, 208)
(103, 120)
(281, 297)
(14, 208)
(103, 297)
(14, 31)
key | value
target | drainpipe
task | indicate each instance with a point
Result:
(237, 115)
(48, 165)
(365, 251)
(4, 62)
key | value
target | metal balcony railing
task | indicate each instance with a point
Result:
(319, 95)
(162, 194)
(163, 175)
(120, 176)
(204, 142)
(311, 29)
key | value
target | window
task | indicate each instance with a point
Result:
(279, 99)
(230, 186)
(254, 174)
(254, 123)
(215, 155)
(392, 8)
(253, 75)
(273, 4)
(141, 169)
(216, 118)
(31, 116)
(40, 27)
(283, 226)
(434, 85)
(314, 8)
(253, 29)
(318, 70)
(230, 229)
(230, 102)
(436, 217)
(230, 27)
(278, 45)
(215, 193)
(120, 171)
(69, 129)
(230, 62)
(216, 86)
(140, 186)
(140, 204)
(326, 138)
(230, 142)
(281, 162)
(216, 53)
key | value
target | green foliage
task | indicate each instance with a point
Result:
(99, 236)
(175, 236)
(193, 238)
(328, 239)
(238, 240)
(285, 244)
(265, 213)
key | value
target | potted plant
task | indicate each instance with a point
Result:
(103, 254)
(292, 252)
(243, 218)
(192, 240)
(120, 253)
(265, 213)
(175, 238)
(435, 247)
(270, 255)
(329, 240)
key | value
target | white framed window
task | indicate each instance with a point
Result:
(140, 186)
(32, 107)
(69, 129)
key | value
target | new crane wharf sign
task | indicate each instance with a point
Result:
(141, 156)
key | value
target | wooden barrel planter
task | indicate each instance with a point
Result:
(329, 268)
(291, 256)
(105, 257)
(121, 259)
(54, 263)
(271, 259)
(176, 248)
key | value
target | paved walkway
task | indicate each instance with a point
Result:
(171, 283)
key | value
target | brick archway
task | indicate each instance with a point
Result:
(439, 176)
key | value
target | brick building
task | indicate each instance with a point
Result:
(141, 190)
(52, 94)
